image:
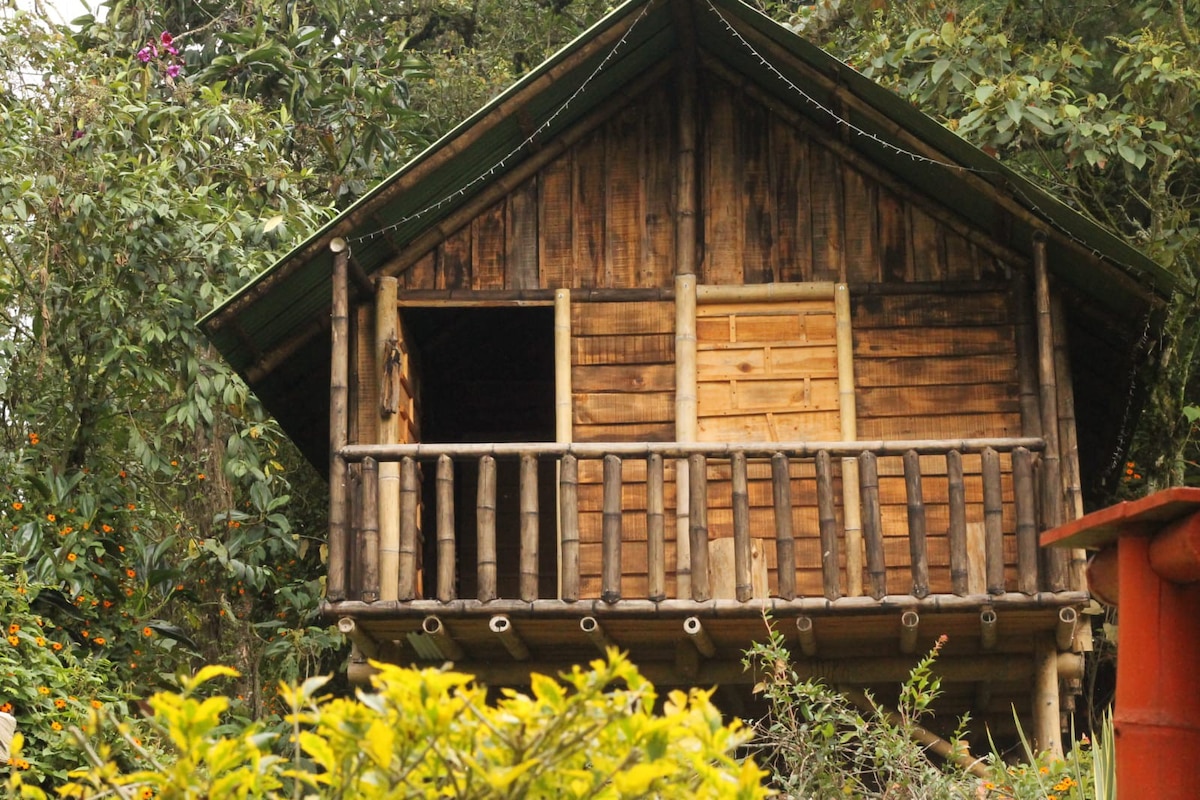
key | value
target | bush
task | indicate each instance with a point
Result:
(431, 733)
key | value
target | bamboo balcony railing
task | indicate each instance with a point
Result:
(981, 508)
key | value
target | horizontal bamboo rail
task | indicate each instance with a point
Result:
(792, 482)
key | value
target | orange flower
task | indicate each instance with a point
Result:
(100, 640)
(108, 603)
(200, 476)
(56, 726)
(84, 634)
(106, 528)
(130, 573)
(51, 517)
(18, 506)
(40, 642)
(14, 641)
(43, 690)
(14, 627)
(97, 704)
(6, 708)
(147, 631)
(60, 703)
(56, 646)
(71, 556)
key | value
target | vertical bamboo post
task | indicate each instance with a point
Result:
(698, 527)
(686, 424)
(957, 496)
(1047, 727)
(1025, 497)
(1068, 440)
(568, 509)
(827, 525)
(851, 501)
(370, 527)
(610, 560)
(529, 528)
(1027, 369)
(563, 423)
(743, 586)
(785, 543)
(354, 539)
(807, 635)
(485, 529)
(445, 530)
(916, 524)
(408, 529)
(1052, 476)
(339, 417)
(873, 524)
(656, 549)
(993, 521)
(387, 331)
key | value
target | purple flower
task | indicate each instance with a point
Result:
(166, 39)
(173, 70)
(144, 55)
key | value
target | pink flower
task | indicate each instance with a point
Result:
(166, 39)
(173, 70)
(144, 55)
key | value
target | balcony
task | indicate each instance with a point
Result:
(511, 557)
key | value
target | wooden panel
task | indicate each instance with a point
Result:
(422, 274)
(826, 186)
(454, 260)
(936, 400)
(793, 207)
(587, 211)
(658, 165)
(721, 189)
(591, 408)
(860, 227)
(928, 255)
(521, 238)
(894, 255)
(488, 249)
(933, 342)
(624, 378)
(815, 426)
(623, 201)
(757, 201)
(934, 372)
(938, 307)
(555, 223)
(627, 349)
(605, 319)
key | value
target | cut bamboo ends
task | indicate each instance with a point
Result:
(699, 637)
(502, 626)
(592, 628)
(987, 629)
(366, 646)
(440, 638)
(910, 628)
(807, 636)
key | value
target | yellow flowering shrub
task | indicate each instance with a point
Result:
(432, 733)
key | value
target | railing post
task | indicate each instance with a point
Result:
(742, 582)
(610, 567)
(957, 496)
(916, 524)
(656, 549)
(785, 542)
(370, 530)
(339, 415)
(568, 499)
(446, 555)
(529, 528)
(827, 524)
(993, 521)
(408, 530)
(1025, 497)
(698, 526)
(868, 474)
(485, 529)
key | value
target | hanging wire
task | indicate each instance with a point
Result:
(499, 165)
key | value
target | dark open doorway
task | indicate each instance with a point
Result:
(487, 375)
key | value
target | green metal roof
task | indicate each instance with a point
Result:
(294, 294)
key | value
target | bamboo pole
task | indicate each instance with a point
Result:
(683, 450)
(807, 635)
(773, 292)
(408, 530)
(447, 556)
(686, 423)
(743, 586)
(910, 628)
(872, 524)
(370, 552)
(529, 528)
(1047, 727)
(592, 628)
(698, 527)
(360, 638)
(485, 529)
(610, 566)
(339, 415)
(785, 543)
(568, 500)
(1064, 631)
(1027, 368)
(563, 432)
(916, 524)
(1068, 440)
(1052, 473)
(502, 626)
(656, 549)
(699, 637)
(387, 331)
(355, 539)
(827, 526)
(957, 496)
(433, 628)
(1026, 501)
(993, 521)
(987, 629)
(851, 499)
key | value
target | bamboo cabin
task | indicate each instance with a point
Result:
(692, 324)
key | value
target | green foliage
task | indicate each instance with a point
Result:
(432, 733)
